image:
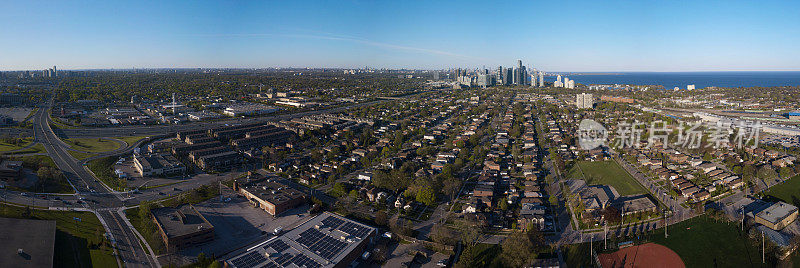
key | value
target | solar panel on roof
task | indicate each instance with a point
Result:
(249, 260)
(304, 261)
(282, 259)
(317, 242)
(354, 229)
(277, 245)
(332, 222)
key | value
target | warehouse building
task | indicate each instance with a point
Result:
(157, 165)
(182, 227)
(27, 243)
(271, 195)
(327, 240)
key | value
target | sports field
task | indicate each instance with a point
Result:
(788, 191)
(607, 173)
(645, 255)
(705, 242)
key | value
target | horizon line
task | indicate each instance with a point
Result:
(386, 68)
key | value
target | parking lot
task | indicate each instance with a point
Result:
(237, 223)
(16, 113)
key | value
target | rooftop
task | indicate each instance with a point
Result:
(272, 191)
(323, 241)
(180, 221)
(776, 212)
(35, 238)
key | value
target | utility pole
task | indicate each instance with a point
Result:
(605, 235)
(665, 224)
(762, 247)
(742, 206)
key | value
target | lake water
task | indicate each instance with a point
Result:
(700, 79)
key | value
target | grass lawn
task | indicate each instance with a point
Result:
(38, 148)
(5, 147)
(130, 139)
(95, 145)
(700, 242)
(147, 229)
(788, 191)
(103, 170)
(78, 244)
(608, 173)
(80, 155)
(34, 162)
(577, 255)
(704, 242)
(487, 255)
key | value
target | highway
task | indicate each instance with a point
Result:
(91, 194)
(94, 196)
(142, 130)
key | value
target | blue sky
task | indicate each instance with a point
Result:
(550, 35)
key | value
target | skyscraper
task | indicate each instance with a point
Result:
(499, 75)
(509, 77)
(541, 79)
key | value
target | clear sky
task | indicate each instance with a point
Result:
(549, 35)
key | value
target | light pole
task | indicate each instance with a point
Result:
(742, 218)
(665, 224)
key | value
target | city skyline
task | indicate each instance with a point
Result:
(578, 36)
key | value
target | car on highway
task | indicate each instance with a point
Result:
(23, 194)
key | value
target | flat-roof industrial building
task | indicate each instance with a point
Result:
(775, 216)
(182, 227)
(327, 240)
(270, 194)
(27, 243)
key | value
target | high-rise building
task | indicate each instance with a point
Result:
(584, 101)
(509, 77)
(541, 79)
(55, 71)
(499, 75)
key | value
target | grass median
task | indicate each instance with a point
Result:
(130, 140)
(103, 169)
(94, 145)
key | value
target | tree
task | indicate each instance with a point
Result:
(503, 204)
(381, 218)
(450, 187)
(353, 194)
(612, 215)
(338, 190)
(767, 172)
(786, 172)
(518, 250)
(426, 196)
